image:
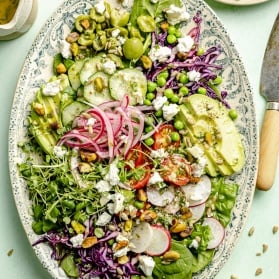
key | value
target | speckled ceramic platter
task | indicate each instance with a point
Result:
(241, 2)
(38, 68)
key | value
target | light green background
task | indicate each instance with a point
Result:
(249, 28)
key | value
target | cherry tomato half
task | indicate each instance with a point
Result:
(135, 155)
(140, 178)
(176, 170)
(162, 137)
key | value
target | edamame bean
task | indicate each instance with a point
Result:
(174, 98)
(150, 96)
(161, 81)
(184, 90)
(171, 39)
(151, 86)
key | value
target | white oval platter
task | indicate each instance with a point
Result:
(37, 68)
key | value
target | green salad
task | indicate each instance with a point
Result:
(130, 143)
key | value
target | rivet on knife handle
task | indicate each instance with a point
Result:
(269, 148)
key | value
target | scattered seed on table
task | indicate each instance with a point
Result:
(10, 252)
(275, 229)
(258, 254)
(251, 231)
(259, 271)
(265, 247)
(234, 277)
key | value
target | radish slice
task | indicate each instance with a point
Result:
(159, 197)
(217, 230)
(197, 212)
(142, 235)
(197, 193)
(160, 242)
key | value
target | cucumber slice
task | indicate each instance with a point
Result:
(90, 67)
(131, 82)
(96, 90)
(71, 111)
(74, 74)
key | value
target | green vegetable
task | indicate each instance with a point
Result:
(178, 269)
(202, 260)
(222, 199)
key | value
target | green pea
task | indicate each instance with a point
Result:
(161, 81)
(164, 74)
(171, 39)
(147, 102)
(178, 124)
(168, 93)
(159, 113)
(218, 80)
(110, 242)
(174, 98)
(150, 96)
(139, 204)
(175, 136)
(151, 86)
(148, 129)
(178, 33)
(184, 90)
(149, 141)
(183, 78)
(171, 30)
(202, 90)
(233, 114)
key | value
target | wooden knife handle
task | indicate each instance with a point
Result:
(269, 148)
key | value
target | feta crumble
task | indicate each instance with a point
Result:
(169, 111)
(160, 53)
(159, 101)
(194, 75)
(51, 88)
(185, 44)
(146, 264)
(112, 175)
(103, 219)
(176, 14)
(155, 178)
(77, 240)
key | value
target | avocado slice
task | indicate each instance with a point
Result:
(209, 125)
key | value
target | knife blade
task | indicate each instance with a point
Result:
(269, 89)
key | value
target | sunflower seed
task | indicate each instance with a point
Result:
(259, 271)
(265, 247)
(251, 231)
(275, 229)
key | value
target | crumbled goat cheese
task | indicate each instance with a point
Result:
(155, 178)
(105, 198)
(176, 14)
(195, 151)
(59, 151)
(112, 175)
(185, 44)
(117, 203)
(169, 111)
(194, 75)
(103, 219)
(159, 101)
(159, 153)
(100, 7)
(146, 264)
(77, 240)
(115, 33)
(198, 168)
(65, 50)
(194, 244)
(51, 88)
(109, 67)
(103, 186)
(159, 53)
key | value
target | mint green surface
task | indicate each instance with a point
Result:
(249, 29)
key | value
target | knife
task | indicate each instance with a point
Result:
(269, 89)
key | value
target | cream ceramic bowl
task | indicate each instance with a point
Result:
(21, 22)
